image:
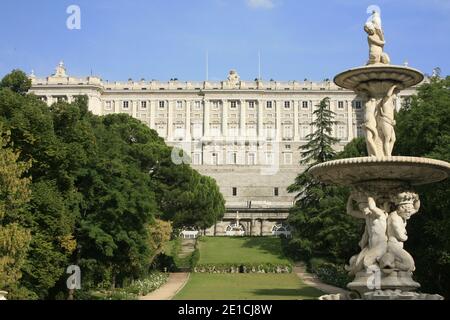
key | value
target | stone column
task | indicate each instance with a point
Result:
(243, 119)
(188, 121)
(350, 120)
(314, 103)
(152, 114)
(296, 113)
(261, 119)
(170, 121)
(225, 118)
(117, 106)
(135, 111)
(279, 133)
(206, 109)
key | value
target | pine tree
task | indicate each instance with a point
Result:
(318, 149)
(321, 227)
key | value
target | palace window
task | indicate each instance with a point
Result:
(269, 104)
(233, 131)
(215, 130)
(162, 104)
(359, 131)
(305, 105)
(179, 105)
(341, 132)
(251, 130)
(269, 158)
(197, 159)
(341, 105)
(276, 192)
(108, 105)
(287, 147)
(287, 104)
(270, 131)
(161, 129)
(288, 158)
(234, 192)
(305, 130)
(197, 131)
(287, 132)
(126, 105)
(251, 159)
(215, 105)
(233, 158)
(358, 105)
(214, 159)
(251, 104)
(197, 105)
(233, 104)
(144, 105)
(179, 132)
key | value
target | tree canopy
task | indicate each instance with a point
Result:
(96, 186)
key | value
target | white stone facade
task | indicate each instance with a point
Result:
(245, 134)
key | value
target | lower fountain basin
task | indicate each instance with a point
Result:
(411, 170)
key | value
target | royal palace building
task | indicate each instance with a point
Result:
(244, 134)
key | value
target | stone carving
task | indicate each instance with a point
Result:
(376, 41)
(371, 128)
(233, 78)
(379, 121)
(386, 121)
(374, 241)
(381, 183)
(385, 232)
(60, 70)
(407, 204)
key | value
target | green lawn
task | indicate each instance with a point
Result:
(221, 250)
(203, 286)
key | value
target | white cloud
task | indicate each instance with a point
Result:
(263, 4)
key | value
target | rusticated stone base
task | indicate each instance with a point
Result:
(395, 280)
(385, 295)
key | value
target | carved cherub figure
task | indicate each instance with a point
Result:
(376, 45)
(374, 241)
(407, 204)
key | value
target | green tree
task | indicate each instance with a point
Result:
(321, 225)
(98, 184)
(14, 197)
(17, 81)
(423, 130)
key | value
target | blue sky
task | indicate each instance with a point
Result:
(163, 39)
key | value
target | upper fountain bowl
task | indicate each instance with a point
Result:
(405, 77)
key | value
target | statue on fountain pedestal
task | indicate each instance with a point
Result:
(376, 41)
(374, 242)
(407, 204)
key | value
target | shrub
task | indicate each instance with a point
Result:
(147, 285)
(330, 273)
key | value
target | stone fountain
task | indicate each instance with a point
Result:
(382, 185)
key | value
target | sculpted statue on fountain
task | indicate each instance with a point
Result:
(385, 231)
(379, 119)
(376, 41)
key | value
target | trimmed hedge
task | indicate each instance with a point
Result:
(243, 268)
